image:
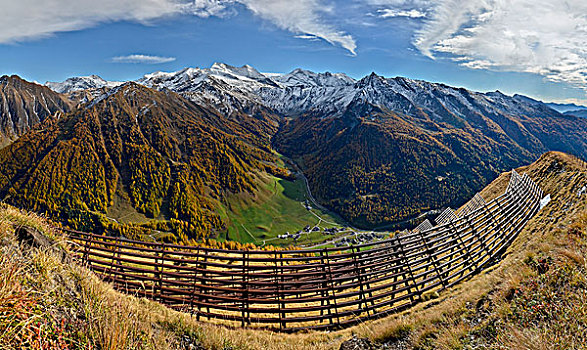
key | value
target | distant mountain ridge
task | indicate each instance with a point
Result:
(376, 150)
(81, 83)
(566, 107)
(577, 113)
(302, 91)
(294, 93)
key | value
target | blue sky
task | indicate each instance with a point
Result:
(536, 48)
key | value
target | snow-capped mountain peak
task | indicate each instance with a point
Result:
(230, 88)
(245, 71)
(81, 83)
(245, 78)
(302, 77)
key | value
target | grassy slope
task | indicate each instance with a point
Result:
(122, 211)
(48, 303)
(533, 299)
(277, 208)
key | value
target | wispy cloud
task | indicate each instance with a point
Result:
(208, 8)
(401, 3)
(32, 19)
(145, 59)
(301, 17)
(545, 37)
(390, 13)
(306, 36)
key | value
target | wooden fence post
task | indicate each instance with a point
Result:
(245, 285)
(457, 237)
(88, 246)
(325, 289)
(282, 322)
(482, 244)
(331, 295)
(360, 280)
(431, 259)
(194, 283)
(113, 258)
(406, 264)
(158, 288)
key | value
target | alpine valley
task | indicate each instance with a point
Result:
(203, 153)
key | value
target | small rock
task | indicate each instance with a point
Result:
(357, 344)
(32, 237)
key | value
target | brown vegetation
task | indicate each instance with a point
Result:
(170, 159)
(533, 299)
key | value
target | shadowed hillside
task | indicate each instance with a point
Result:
(376, 166)
(24, 104)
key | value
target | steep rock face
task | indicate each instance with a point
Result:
(164, 155)
(24, 104)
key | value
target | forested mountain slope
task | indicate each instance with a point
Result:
(157, 152)
(402, 147)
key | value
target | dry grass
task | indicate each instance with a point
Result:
(51, 304)
(545, 269)
(48, 303)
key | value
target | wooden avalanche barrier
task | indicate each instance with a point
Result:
(314, 288)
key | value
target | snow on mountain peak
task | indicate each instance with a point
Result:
(244, 71)
(81, 83)
(302, 77)
(300, 91)
(245, 78)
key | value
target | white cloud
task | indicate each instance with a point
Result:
(390, 13)
(307, 37)
(138, 58)
(546, 37)
(32, 19)
(301, 17)
(401, 3)
(208, 8)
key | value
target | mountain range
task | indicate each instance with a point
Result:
(173, 146)
(569, 109)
